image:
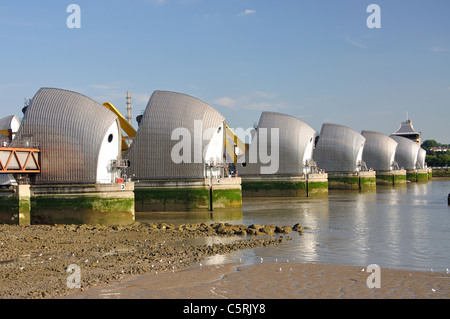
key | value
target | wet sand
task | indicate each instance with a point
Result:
(34, 259)
(276, 280)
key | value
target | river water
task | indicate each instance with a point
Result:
(399, 228)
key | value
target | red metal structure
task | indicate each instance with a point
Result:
(17, 160)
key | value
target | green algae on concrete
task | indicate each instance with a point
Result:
(155, 199)
(418, 175)
(9, 208)
(343, 182)
(400, 179)
(422, 177)
(274, 188)
(367, 182)
(226, 198)
(15, 205)
(305, 185)
(385, 179)
(107, 204)
(411, 176)
(188, 195)
(394, 178)
(364, 180)
(316, 188)
(64, 209)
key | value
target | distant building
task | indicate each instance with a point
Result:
(439, 149)
(406, 130)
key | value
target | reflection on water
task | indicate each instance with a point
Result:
(402, 228)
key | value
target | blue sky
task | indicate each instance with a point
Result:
(316, 60)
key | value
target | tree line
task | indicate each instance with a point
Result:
(436, 158)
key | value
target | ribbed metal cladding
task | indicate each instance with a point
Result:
(337, 148)
(421, 158)
(294, 137)
(69, 129)
(407, 151)
(150, 154)
(379, 151)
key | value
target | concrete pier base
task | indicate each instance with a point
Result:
(422, 175)
(188, 195)
(317, 184)
(418, 175)
(107, 204)
(225, 193)
(391, 178)
(15, 205)
(284, 185)
(360, 181)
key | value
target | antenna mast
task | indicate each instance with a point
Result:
(129, 116)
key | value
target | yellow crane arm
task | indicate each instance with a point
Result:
(236, 142)
(126, 127)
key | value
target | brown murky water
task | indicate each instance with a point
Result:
(398, 228)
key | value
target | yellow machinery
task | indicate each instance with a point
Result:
(231, 142)
(126, 127)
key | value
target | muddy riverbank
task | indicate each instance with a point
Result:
(34, 259)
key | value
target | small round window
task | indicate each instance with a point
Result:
(110, 138)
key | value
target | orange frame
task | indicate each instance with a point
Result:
(4, 168)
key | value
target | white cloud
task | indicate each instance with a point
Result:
(257, 100)
(247, 12)
(355, 43)
(225, 101)
(266, 95)
(139, 98)
(266, 106)
(101, 86)
(439, 50)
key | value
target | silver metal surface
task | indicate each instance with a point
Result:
(407, 151)
(338, 148)
(150, 153)
(379, 151)
(294, 138)
(421, 158)
(5, 123)
(69, 129)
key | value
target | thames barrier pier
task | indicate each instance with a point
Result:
(79, 144)
(410, 155)
(177, 157)
(339, 152)
(291, 171)
(379, 154)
